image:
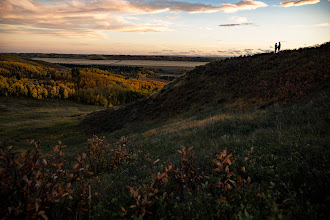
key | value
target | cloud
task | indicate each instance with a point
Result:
(290, 3)
(313, 25)
(323, 24)
(122, 6)
(242, 5)
(264, 51)
(248, 50)
(75, 18)
(234, 52)
(230, 52)
(233, 25)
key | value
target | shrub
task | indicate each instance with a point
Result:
(33, 187)
(181, 191)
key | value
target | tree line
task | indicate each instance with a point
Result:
(23, 77)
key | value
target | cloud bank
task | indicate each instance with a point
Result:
(64, 17)
(290, 3)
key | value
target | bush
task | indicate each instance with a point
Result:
(34, 187)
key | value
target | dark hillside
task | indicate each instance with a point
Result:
(236, 83)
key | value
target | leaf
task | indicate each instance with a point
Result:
(65, 194)
(42, 214)
(249, 180)
(26, 180)
(44, 162)
(156, 161)
(227, 158)
(133, 192)
(219, 184)
(56, 149)
(165, 179)
(246, 158)
(37, 206)
(75, 166)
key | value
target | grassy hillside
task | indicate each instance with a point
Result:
(269, 110)
(237, 83)
(243, 138)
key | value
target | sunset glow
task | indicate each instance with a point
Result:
(161, 27)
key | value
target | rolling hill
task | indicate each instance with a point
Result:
(254, 136)
(242, 83)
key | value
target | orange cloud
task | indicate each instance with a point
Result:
(290, 3)
(87, 16)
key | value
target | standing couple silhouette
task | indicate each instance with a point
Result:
(277, 47)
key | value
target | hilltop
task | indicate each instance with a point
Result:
(242, 83)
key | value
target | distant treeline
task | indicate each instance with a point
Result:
(118, 69)
(24, 77)
(116, 57)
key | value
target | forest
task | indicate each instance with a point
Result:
(24, 77)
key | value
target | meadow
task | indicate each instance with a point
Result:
(23, 119)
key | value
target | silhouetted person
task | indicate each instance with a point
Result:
(279, 47)
(275, 47)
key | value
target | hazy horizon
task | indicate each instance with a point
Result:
(161, 28)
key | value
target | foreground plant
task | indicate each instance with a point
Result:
(34, 187)
(175, 189)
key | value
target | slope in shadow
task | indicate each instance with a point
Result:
(241, 82)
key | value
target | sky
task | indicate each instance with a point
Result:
(162, 27)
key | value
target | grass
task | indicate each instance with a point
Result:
(279, 135)
(290, 160)
(289, 166)
(49, 121)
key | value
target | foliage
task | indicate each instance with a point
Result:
(33, 186)
(20, 77)
(180, 189)
(102, 158)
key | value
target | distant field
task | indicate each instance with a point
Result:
(144, 63)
